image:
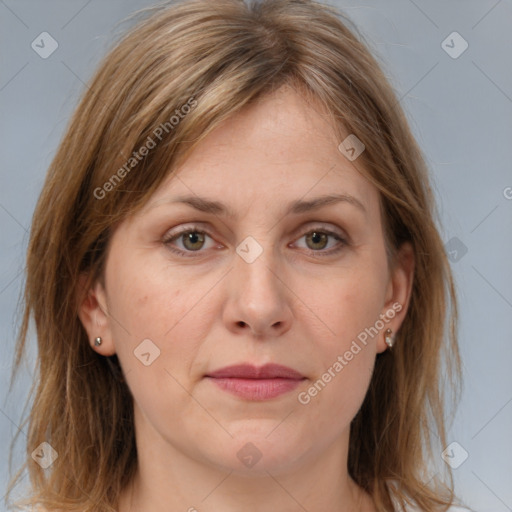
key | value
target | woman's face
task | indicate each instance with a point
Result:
(267, 273)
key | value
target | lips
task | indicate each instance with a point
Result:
(248, 371)
(256, 383)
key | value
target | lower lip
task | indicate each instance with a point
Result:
(256, 389)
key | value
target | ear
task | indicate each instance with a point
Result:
(398, 293)
(93, 313)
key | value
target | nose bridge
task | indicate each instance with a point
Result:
(258, 296)
(255, 264)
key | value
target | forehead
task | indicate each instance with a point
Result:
(276, 151)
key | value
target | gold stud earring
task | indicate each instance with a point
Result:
(97, 341)
(388, 338)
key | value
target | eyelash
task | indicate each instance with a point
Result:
(195, 229)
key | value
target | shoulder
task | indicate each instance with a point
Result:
(453, 508)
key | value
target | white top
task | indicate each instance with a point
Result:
(454, 508)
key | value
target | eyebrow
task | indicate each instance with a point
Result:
(296, 207)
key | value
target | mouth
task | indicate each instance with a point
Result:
(256, 383)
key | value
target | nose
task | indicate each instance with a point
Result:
(259, 301)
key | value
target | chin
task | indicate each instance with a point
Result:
(259, 450)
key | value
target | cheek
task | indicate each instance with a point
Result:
(345, 364)
(157, 330)
(339, 401)
(147, 305)
(150, 299)
(349, 308)
(347, 305)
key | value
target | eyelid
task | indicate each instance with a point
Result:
(187, 228)
(343, 241)
(324, 227)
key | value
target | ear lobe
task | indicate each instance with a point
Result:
(93, 313)
(399, 292)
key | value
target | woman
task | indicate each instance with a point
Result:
(239, 289)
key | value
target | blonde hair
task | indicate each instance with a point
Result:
(223, 55)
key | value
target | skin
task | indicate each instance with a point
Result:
(290, 306)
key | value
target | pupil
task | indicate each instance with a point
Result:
(192, 239)
(316, 238)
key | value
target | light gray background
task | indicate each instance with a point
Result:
(460, 110)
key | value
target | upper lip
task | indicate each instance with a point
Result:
(249, 371)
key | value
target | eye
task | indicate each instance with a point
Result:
(191, 240)
(318, 239)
